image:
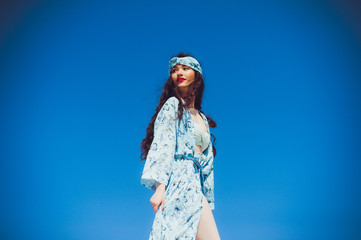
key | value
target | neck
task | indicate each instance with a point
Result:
(192, 110)
(191, 106)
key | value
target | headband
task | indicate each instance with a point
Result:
(188, 61)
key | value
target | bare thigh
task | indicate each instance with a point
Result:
(207, 229)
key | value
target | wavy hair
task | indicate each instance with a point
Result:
(195, 89)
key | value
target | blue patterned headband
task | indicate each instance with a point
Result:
(188, 61)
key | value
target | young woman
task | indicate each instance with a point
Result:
(179, 157)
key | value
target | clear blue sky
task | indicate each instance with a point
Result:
(80, 81)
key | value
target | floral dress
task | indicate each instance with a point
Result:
(171, 161)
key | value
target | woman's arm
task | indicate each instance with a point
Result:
(208, 176)
(158, 197)
(161, 185)
(160, 158)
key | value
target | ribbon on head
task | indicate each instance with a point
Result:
(187, 61)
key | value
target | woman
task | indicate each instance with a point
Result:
(179, 157)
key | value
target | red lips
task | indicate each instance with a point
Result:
(180, 79)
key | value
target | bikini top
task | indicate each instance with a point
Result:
(201, 138)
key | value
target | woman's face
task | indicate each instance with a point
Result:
(182, 76)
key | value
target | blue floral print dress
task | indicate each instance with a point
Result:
(171, 161)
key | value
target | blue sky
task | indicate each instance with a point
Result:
(80, 81)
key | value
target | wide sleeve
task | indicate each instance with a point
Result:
(208, 177)
(160, 158)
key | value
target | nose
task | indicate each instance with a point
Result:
(180, 72)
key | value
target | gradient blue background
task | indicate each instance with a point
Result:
(80, 81)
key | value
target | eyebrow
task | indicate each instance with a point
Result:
(181, 66)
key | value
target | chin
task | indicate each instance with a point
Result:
(182, 86)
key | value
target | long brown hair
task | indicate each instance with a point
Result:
(196, 89)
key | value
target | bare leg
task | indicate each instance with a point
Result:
(207, 229)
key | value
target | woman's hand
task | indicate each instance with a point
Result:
(158, 197)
